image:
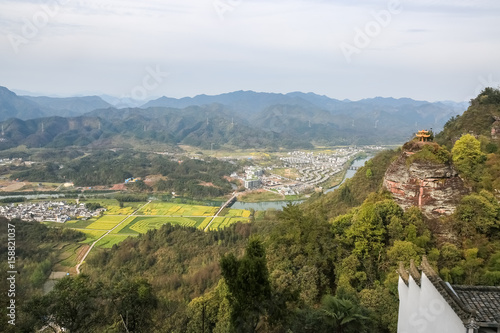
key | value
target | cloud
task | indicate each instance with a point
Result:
(272, 45)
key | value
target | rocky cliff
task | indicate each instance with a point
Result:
(434, 187)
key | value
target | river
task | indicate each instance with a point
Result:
(263, 205)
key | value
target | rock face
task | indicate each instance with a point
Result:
(435, 188)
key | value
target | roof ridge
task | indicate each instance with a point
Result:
(403, 273)
(415, 274)
(465, 313)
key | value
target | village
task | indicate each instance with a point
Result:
(48, 211)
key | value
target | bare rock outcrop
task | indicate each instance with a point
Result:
(433, 187)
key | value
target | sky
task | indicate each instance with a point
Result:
(422, 49)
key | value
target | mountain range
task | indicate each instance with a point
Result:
(243, 119)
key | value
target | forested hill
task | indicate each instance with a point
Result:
(242, 119)
(480, 119)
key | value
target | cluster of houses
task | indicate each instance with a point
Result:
(48, 211)
(317, 168)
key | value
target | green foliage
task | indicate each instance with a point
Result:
(489, 95)
(190, 177)
(492, 274)
(247, 280)
(382, 303)
(92, 205)
(131, 197)
(71, 304)
(344, 315)
(41, 273)
(477, 213)
(467, 156)
(347, 243)
(432, 153)
(134, 303)
(211, 312)
(301, 254)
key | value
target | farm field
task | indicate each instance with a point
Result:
(152, 216)
(112, 239)
(174, 209)
(222, 222)
(117, 210)
(106, 222)
(92, 235)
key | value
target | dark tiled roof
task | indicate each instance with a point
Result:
(472, 304)
(462, 311)
(484, 300)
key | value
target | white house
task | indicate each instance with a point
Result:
(427, 304)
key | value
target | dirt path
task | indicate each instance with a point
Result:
(107, 233)
(81, 252)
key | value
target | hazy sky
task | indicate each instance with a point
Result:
(423, 49)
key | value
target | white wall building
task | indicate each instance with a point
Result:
(427, 304)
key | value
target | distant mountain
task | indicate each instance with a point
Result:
(409, 113)
(70, 106)
(243, 119)
(205, 127)
(29, 107)
(50, 132)
(242, 102)
(122, 102)
(13, 106)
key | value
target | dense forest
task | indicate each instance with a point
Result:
(328, 265)
(189, 177)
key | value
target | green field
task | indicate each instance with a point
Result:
(152, 216)
(106, 222)
(112, 239)
(116, 210)
(142, 224)
(174, 209)
(222, 222)
(123, 225)
(92, 235)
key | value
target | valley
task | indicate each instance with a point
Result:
(328, 222)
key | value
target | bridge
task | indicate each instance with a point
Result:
(352, 167)
(226, 204)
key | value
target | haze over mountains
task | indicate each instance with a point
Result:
(244, 119)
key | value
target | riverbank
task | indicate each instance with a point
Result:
(279, 204)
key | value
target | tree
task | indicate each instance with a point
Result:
(343, 315)
(467, 155)
(73, 304)
(249, 288)
(477, 213)
(134, 301)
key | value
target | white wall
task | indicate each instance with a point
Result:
(424, 310)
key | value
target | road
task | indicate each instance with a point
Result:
(107, 233)
(220, 210)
